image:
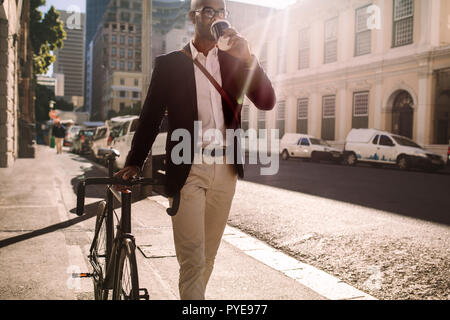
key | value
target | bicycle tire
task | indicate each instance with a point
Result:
(99, 253)
(126, 283)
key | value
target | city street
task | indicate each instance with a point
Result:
(383, 230)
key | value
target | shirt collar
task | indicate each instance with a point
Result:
(195, 52)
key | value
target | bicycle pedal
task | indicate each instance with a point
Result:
(143, 294)
(82, 275)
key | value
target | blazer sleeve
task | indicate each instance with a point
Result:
(258, 87)
(151, 117)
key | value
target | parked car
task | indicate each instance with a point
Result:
(123, 136)
(307, 147)
(82, 142)
(70, 135)
(381, 147)
(100, 140)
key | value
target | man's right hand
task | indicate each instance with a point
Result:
(126, 174)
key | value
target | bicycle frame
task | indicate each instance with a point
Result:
(123, 239)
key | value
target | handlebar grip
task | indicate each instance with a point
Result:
(175, 206)
(80, 198)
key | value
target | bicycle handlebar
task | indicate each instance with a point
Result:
(81, 188)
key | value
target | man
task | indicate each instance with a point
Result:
(59, 132)
(180, 87)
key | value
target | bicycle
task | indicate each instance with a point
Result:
(113, 256)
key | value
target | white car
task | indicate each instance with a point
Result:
(380, 147)
(124, 137)
(294, 145)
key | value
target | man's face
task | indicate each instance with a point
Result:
(202, 22)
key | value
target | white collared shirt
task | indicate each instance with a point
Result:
(209, 100)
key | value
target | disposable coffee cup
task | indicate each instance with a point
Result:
(218, 31)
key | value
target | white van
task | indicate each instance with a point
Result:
(381, 147)
(307, 147)
(126, 127)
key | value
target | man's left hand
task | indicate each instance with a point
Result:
(239, 46)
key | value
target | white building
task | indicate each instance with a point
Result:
(338, 65)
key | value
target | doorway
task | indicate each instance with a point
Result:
(403, 115)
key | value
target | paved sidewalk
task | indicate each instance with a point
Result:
(42, 241)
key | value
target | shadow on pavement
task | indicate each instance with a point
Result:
(91, 211)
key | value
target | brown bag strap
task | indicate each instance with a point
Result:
(213, 82)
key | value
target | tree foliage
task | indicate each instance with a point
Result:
(47, 34)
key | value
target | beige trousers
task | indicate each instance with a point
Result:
(199, 225)
(59, 143)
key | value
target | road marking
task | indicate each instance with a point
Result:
(317, 280)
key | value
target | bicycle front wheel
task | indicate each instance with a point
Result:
(126, 284)
(99, 252)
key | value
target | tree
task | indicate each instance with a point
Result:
(47, 34)
(43, 97)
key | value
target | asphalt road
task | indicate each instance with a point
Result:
(381, 230)
(415, 194)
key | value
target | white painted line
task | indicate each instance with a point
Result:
(317, 280)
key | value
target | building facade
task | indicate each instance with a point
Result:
(338, 65)
(117, 58)
(16, 90)
(70, 59)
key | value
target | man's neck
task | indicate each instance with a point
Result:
(202, 45)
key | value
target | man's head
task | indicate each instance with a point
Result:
(200, 16)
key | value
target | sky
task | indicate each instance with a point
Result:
(65, 4)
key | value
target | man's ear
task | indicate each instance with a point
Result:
(192, 16)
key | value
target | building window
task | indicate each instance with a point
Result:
(130, 66)
(363, 35)
(328, 117)
(261, 119)
(122, 82)
(136, 82)
(130, 40)
(245, 117)
(138, 40)
(302, 115)
(138, 54)
(130, 54)
(122, 39)
(304, 44)
(113, 64)
(360, 110)
(403, 23)
(331, 40)
(123, 94)
(135, 95)
(138, 66)
(122, 52)
(125, 17)
(113, 51)
(137, 18)
(137, 6)
(281, 116)
(114, 38)
(124, 4)
(122, 106)
(122, 65)
(105, 38)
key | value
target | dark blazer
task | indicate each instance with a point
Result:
(173, 88)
